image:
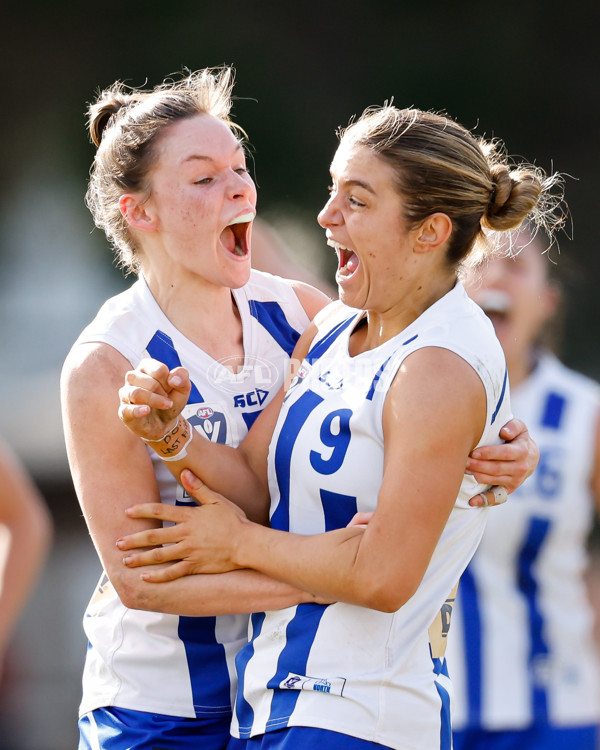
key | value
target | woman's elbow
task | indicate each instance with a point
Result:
(131, 589)
(388, 596)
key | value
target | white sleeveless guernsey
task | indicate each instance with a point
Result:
(522, 650)
(162, 663)
(373, 675)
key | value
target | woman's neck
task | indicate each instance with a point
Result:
(204, 313)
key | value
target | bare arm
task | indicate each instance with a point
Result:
(153, 397)
(112, 470)
(380, 566)
(596, 473)
(26, 522)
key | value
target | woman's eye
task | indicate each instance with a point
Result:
(242, 170)
(355, 202)
(204, 181)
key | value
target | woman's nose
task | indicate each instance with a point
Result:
(241, 186)
(329, 214)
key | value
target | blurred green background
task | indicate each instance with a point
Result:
(526, 72)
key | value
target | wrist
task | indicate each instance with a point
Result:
(248, 541)
(172, 446)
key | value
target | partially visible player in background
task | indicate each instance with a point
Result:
(271, 253)
(25, 535)
(521, 653)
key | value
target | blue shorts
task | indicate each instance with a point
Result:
(536, 738)
(113, 728)
(307, 738)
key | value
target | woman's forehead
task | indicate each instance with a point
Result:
(198, 137)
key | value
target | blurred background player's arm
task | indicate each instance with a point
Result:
(271, 254)
(596, 472)
(25, 535)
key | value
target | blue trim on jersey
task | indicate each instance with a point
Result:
(440, 667)
(300, 636)
(471, 621)
(538, 530)
(553, 411)
(271, 317)
(408, 341)
(297, 415)
(319, 349)
(243, 710)
(338, 509)
(378, 374)
(250, 417)
(162, 348)
(501, 399)
(210, 684)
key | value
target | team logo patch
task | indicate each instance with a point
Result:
(333, 686)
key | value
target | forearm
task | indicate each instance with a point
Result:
(330, 566)
(236, 592)
(227, 471)
(27, 543)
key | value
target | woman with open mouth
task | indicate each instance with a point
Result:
(170, 188)
(392, 388)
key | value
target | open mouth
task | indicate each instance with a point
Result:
(235, 238)
(495, 304)
(348, 261)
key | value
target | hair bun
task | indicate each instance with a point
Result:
(514, 194)
(100, 113)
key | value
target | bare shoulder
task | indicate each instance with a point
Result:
(89, 386)
(93, 364)
(434, 389)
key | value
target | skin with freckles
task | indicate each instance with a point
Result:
(439, 400)
(170, 188)
(361, 215)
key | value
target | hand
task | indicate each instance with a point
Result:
(361, 519)
(201, 541)
(152, 398)
(508, 464)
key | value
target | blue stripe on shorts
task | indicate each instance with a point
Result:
(113, 728)
(539, 737)
(308, 738)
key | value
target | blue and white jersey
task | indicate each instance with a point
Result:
(373, 675)
(184, 666)
(522, 648)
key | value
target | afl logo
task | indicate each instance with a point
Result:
(204, 412)
(259, 372)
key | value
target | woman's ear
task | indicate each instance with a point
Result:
(135, 212)
(433, 233)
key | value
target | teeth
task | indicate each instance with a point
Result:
(243, 218)
(493, 300)
(336, 245)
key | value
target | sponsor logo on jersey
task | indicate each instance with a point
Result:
(334, 685)
(256, 397)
